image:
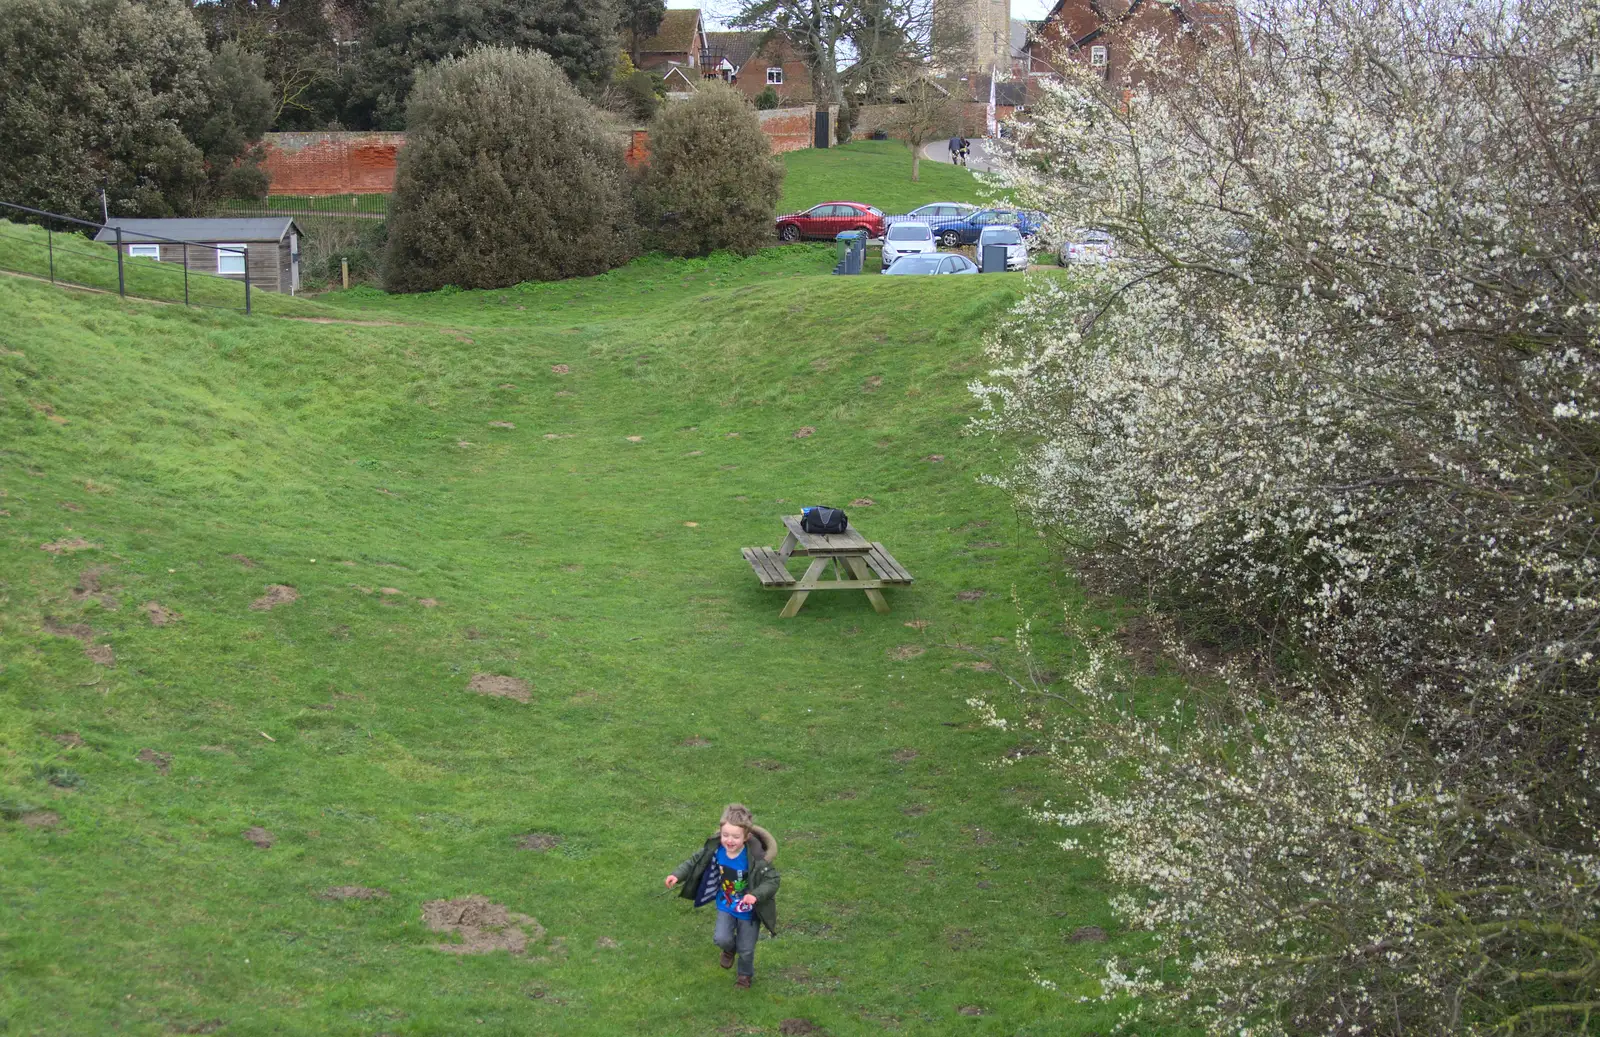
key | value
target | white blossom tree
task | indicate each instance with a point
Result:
(1339, 406)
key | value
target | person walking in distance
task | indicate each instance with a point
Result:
(735, 871)
(955, 151)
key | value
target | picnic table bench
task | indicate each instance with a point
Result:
(858, 564)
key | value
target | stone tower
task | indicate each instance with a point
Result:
(989, 22)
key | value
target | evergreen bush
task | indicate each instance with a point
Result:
(508, 175)
(767, 99)
(712, 182)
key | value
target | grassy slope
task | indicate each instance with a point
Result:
(877, 172)
(913, 884)
(28, 249)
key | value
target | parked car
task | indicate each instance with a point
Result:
(965, 230)
(932, 263)
(906, 239)
(828, 219)
(1088, 246)
(935, 212)
(1011, 238)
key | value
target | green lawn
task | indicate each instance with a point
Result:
(78, 260)
(190, 459)
(877, 172)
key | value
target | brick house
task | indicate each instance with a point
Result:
(753, 61)
(679, 42)
(1098, 33)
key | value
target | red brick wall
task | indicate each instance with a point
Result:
(789, 129)
(364, 163)
(331, 163)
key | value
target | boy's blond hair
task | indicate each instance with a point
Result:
(738, 814)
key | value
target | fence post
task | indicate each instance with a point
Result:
(247, 280)
(186, 273)
(50, 244)
(122, 285)
(344, 272)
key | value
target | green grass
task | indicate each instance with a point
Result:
(78, 260)
(877, 172)
(344, 459)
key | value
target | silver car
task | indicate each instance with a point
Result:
(907, 239)
(1011, 238)
(1088, 246)
(933, 263)
(935, 212)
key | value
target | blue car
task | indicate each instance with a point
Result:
(965, 231)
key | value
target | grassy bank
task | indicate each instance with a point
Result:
(549, 485)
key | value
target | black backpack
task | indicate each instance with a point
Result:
(823, 519)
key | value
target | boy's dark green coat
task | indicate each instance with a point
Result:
(763, 878)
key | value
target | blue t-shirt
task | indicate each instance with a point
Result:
(733, 881)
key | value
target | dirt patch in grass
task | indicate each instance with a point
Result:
(259, 836)
(158, 614)
(863, 502)
(972, 1010)
(484, 927)
(1141, 640)
(872, 383)
(162, 762)
(40, 819)
(68, 545)
(804, 432)
(78, 631)
(918, 624)
(974, 595)
(538, 842)
(903, 755)
(802, 977)
(67, 505)
(100, 655)
(695, 742)
(354, 893)
(1088, 934)
(766, 765)
(499, 686)
(89, 589)
(606, 943)
(428, 603)
(248, 563)
(915, 810)
(560, 369)
(799, 1028)
(70, 739)
(502, 424)
(903, 652)
(277, 594)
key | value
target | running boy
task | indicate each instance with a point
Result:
(735, 871)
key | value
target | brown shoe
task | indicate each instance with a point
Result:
(743, 982)
(727, 960)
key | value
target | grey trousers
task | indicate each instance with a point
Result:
(738, 934)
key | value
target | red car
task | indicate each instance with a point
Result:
(828, 219)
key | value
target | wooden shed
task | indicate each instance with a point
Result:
(226, 246)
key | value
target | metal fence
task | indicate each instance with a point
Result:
(349, 206)
(61, 249)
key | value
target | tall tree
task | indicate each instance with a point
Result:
(817, 29)
(405, 36)
(116, 93)
(300, 45)
(639, 20)
(508, 175)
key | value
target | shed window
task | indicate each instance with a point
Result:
(145, 252)
(1097, 57)
(774, 77)
(230, 259)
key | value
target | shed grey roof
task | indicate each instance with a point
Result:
(223, 230)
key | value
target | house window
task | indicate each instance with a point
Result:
(774, 77)
(145, 252)
(230, 262)
(1097, 57)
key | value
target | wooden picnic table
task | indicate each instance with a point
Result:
(858, 564)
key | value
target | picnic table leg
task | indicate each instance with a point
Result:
(798, 598)
(788, 545)
(859, 567)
